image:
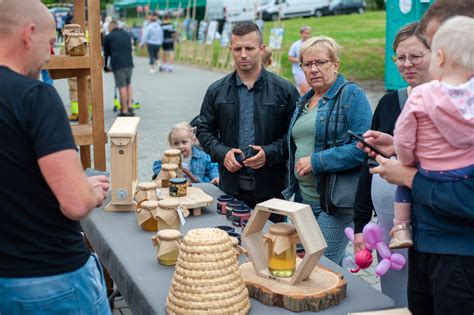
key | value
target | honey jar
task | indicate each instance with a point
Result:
(167, 242)
(147, 215)
(173, 156)
(76, 44)
(230, 206)
(281, 242)
(178, 187)
(222, 201)
(145, 191)
(67, 30)
(239, 214)
(168, 171)
(167, 214)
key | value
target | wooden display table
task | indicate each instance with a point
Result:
(323, 288)
(194, 200)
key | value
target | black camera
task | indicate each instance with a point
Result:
(246, 153)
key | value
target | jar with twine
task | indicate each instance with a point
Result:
(167, 242)
(167, 214)
(67, 31)
(147, 214)
(168, 171)
(145, 191)
(173, 156)
(76, 44)
(281, 241)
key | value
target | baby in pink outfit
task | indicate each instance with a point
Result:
(436, 127)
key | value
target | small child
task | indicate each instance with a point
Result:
(199, 163)
(267, 57)
(436, 127)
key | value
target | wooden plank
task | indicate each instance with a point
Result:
(68, 73)
(82, 134)
(64, 62)
(124, 127)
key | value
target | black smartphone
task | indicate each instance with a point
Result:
(372, 147)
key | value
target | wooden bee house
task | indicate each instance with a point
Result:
(123, 159)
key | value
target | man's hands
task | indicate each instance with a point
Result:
(230, 163)
(394, 171)
(100, 184)
(255, 162)
(381, 140)
(258, 160)
(303, 166)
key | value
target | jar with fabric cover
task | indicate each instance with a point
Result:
(76, 44)
(167, 242)
(70, 29)
(281, 241)
(167, 214)
(168, 171)
(173, 156)
(147, 213)
(145, 191)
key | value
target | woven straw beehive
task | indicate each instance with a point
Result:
(207, 279)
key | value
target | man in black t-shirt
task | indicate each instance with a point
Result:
(45, 267)
(118, 46)
(169, 34)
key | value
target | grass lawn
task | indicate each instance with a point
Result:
(362, 38)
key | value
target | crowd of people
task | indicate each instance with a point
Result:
(263, 138)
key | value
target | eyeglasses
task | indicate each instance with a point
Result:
(415, 58)
(308, 66)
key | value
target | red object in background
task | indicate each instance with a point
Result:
(139, 9)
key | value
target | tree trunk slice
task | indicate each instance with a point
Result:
(194, 200)
(321, 290)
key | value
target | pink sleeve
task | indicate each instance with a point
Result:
(406, 129)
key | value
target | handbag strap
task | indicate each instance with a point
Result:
(402, 97)
(337, 105)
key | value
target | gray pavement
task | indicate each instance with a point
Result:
(166, 99)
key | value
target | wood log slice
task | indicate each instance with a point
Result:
(194, 200)
(321, 290)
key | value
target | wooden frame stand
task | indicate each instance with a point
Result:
(123, 160)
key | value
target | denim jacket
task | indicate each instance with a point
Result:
(354, 114)
(201, 166)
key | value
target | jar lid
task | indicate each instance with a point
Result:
(282, 229)
(147, 185)
(241, 209)
(169, 167)
(235, 203)
(172, 152)
(168, 235)
(178, 181)
(225, 198)
(68, 26)
(149, 204)
(168, 203)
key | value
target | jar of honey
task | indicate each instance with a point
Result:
(281, 243)
(222, 201)
(168, 171)
(145, 191)
(178, 187)
(167, 242)
(147, 215)
(167, 214)
(173, 156)
(239, 214)
(230, 206)
(76, 44)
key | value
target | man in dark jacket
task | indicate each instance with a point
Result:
(118, 46)
(248, 112)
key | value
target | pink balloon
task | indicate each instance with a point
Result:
(349, 233)
(382, 267)
(363, 259)
(383, 250)
(398, 261)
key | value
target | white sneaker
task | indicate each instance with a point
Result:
(152, 71)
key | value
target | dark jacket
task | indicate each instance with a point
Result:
(118, 46)
(218, 129)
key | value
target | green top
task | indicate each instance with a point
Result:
(303, 134)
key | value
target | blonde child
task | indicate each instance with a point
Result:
(199, 163)
(436, 127)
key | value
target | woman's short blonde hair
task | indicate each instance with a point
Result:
(455, 38)
(321, 43)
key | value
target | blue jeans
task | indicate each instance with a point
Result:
(332, 227)
(82, 291)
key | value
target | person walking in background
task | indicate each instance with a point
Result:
(248, 110)
(59, 28)
(412, 57)
(318, 140)
(45, 266)
(118, 46)
(169, 37)
(294, 58)
(153, 37)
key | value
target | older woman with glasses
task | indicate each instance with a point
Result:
(318, 139)
(412, 57)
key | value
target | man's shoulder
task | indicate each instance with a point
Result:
(13, 82)
(216, 85)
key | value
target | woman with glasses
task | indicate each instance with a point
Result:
(318, 139)
(412, 57)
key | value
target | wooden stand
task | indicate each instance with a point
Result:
(194, 200)
(321, 290)
(123, 159)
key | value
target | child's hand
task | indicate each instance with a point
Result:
(215, 181)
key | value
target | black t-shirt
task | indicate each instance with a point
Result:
(168, 33)
(36, 239)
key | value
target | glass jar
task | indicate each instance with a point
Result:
(167, 242)
(168, 171)
(240, 214)
(147, 215)
(230, 206)
(281, 243)
(76, 44)
(173, 156)
(178, 187)
(222, 201)
(167, 214)
(70, 29)
(145, 191)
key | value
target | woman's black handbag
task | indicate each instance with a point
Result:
(338, 189)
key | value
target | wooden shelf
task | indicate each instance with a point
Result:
(64, 62)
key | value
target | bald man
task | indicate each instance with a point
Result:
(45, 267)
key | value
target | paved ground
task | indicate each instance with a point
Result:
(166, 99)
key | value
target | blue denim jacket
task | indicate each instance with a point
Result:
(201, 166)
(354, 114)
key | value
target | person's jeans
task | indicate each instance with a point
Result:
(332, 227)
(82, 291)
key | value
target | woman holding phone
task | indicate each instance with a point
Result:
(412, 57)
